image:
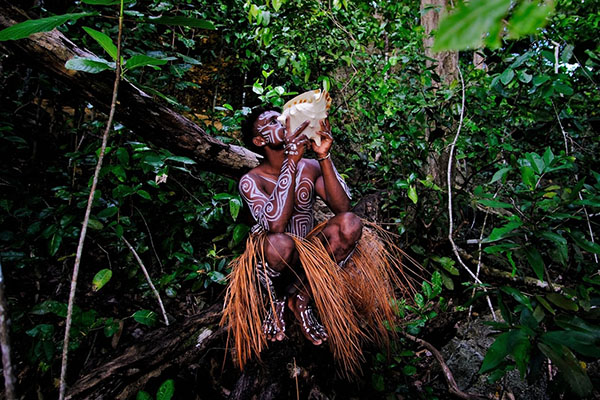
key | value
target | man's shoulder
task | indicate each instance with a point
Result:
(312, 165)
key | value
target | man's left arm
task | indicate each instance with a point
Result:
(330, 185)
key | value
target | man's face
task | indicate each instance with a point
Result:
(269, 128)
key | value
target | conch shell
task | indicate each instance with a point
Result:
(312, 106)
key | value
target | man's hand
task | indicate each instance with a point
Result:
(295, 142)
(326, 139)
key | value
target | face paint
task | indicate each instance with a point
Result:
(269, 128)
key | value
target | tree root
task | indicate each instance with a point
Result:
(452, 386)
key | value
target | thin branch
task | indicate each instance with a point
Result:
(587, 215)
(452, 386)
(63, 369)
(156, 294)
(449, 176)
(151, 241)
(9, 377)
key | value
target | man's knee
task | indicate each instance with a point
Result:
(350, 227)
(279, 250)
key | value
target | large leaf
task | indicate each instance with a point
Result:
(166, 390)
(519, 345)
(496, 353)
(528, 17)
(499, 233)
(103, 40)
(182, 21)
(141, 60)
(90, 65)
(26, 28)
(535, 261)
(568, 365)
(468, 24)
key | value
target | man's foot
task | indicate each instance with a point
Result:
(274, 324)
(311, 327)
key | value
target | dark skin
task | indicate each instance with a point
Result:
(265, 189)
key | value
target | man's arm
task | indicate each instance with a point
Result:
(329, 185)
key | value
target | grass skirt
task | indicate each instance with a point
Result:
(355, 303)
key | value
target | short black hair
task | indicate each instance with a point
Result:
(248, 127)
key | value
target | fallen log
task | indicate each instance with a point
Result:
(138, 111)
(177, 345)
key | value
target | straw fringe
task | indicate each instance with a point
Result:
(355, 303)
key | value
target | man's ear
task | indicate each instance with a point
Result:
(258, 141)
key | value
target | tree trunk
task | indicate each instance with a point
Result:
(445, 62)
(137, 110)
(445, 65)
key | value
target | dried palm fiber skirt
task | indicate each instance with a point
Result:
(355, 303)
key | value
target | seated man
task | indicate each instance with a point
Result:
(280, 193)
(350, 273)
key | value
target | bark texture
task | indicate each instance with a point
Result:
(163, 127)
(445, 62)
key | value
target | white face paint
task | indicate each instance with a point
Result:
(269, 128)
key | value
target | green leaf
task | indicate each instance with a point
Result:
(101, 278)
(563, 88)
(562, 301)
(103, 40)
(466, 26)
(520, 347)
(528, 177)
(54, 243)
(50, 306)
(91, 65)
(500, 174)
(568, 365)
(182, 21)
(517, 295)
(496, 353)
(535, 261)
(166, 390)
(548, 157)
(145, 317)
(111, 327)
(585, 244)
(494, 203)
(95, 224)
(141, 395)
(412, 194)
(26, 28)
(500, 233)
(235, 204)
(185, 160)
(276, 4)
(141, 60)
(239, 233)
(507, 76)
(528, 17)
(144, 194)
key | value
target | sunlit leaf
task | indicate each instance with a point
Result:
(528, 17)
(166, 390)
(89, 64)
(26, 28)
(145, 317)
(101, 278)
(103, 40)
(466, 26)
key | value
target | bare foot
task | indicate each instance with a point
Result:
(274, 324)
(310, 325)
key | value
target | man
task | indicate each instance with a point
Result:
(280, 193)
(348, 272)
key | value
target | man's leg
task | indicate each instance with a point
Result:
(280, 253)
(341, 235)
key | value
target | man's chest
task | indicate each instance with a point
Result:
(304, 187)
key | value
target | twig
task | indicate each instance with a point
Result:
(151, 241)
(9, 377)
(587, 216)
(452, 386)
(113, 104)
(450, 219)
(156, 294)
